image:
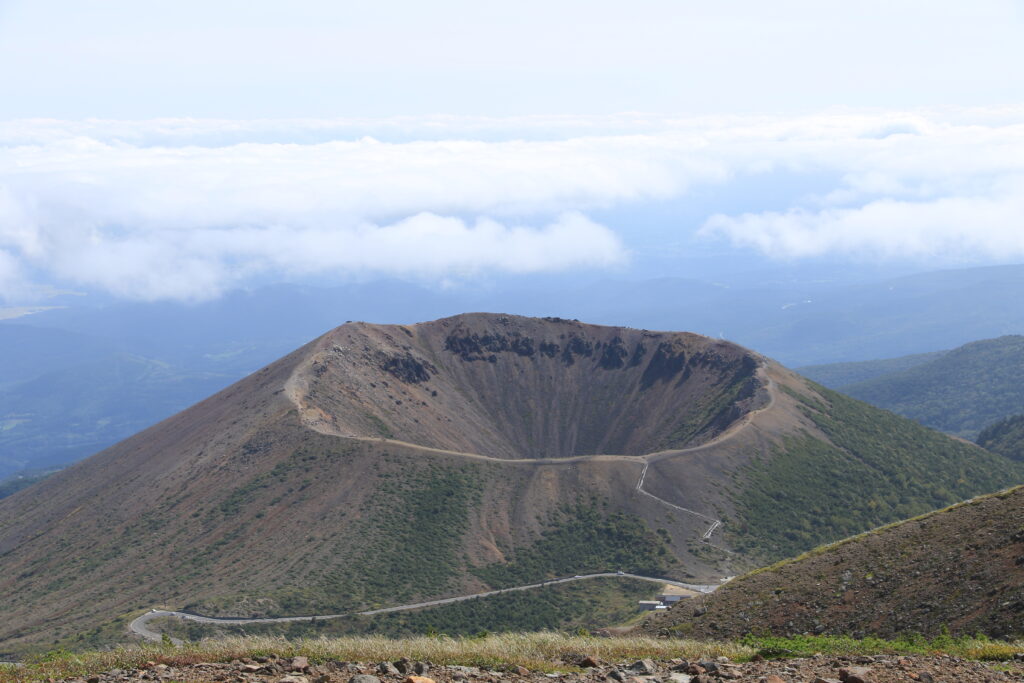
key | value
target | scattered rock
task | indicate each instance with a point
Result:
(467, 670)
(644, 667)
(816, 669)
(855, 674)
(364, 678)
(388, 669)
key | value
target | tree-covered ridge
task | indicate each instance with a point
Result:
(960, 392)
(837, 375)
(1005, 437)
(875, 468)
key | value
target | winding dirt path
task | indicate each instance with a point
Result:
(140, 625)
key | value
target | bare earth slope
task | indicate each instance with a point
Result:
(383, 465)
(961, 568)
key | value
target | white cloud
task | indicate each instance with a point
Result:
(200, 264)
(186, 208)
(990, 227)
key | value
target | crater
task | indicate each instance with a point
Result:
(528, 388)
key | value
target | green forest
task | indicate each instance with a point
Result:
(960, 392)
(1005, 437)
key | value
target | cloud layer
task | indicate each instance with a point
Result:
(183, 209)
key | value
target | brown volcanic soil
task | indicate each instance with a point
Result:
(961, 568)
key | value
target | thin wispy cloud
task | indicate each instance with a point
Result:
(184, 209)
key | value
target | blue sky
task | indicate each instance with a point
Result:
(174, 150)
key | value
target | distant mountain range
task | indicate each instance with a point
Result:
(77, 379)
(383, 464)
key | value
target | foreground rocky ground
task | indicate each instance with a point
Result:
(817, 669)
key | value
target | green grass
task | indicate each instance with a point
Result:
(544, 651)
(975, 648)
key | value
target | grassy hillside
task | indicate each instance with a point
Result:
(874, 468)
(961, 392)
(1005, 437)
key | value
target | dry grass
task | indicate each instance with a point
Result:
(536, 651)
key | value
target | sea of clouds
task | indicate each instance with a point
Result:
(185, 209)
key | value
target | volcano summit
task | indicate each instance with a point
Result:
(520, 388)
(384, 464)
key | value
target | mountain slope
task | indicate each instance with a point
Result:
(960, 392)
(961, 568)
(1005, 437)
(837, 375)
(382, 464)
